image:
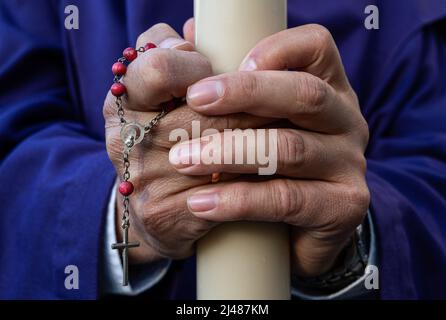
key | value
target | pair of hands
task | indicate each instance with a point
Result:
(319, 188)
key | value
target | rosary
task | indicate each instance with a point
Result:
(132, 133)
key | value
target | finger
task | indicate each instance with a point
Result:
(165, 37)
(155, 70)
(308, 204)
(309, 48)
(160, 75)
(184, 124)
(288, 152)
(304, 99)
(189, 30)
(179, 125)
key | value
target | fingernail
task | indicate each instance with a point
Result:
(185, 154)
(248, 65)
(202, 202)
(205, 92)
(171, 43)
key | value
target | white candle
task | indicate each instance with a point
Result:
(240, 260)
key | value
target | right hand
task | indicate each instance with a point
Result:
(160, 219)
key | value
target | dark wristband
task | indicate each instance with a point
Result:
(350, 266)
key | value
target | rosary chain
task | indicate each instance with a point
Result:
(131, 135)
(120, 111)
(125, 202)
(154, 121)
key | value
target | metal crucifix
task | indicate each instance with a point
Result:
(124, 246)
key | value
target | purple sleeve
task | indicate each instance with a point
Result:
(56, 176)
(407, 167)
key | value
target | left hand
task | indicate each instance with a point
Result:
(320, 189)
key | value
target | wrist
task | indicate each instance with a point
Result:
(348, 267)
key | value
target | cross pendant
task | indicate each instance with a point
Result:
(125, 245)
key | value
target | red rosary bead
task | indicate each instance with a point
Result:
(119, 69)
(117, 89)
(130, 54)
(149, 46)
(126, 188)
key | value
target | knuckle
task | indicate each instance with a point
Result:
(291, 149)
(239, 199)
(248, 85)
(357, 200)
(144, 37)
(286, 201)
(202, 61)
(311, 93)
(157, 69)
(347, 207)
(321, 36)
(157, 60)
(160, 26)
(363, 132)
(360, 162)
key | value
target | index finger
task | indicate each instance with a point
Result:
(164, 36)
(309, 48)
